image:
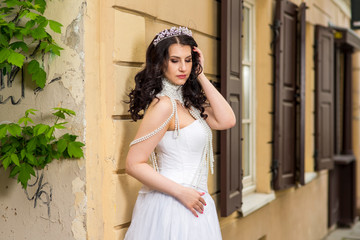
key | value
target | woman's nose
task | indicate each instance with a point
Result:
(182, 66)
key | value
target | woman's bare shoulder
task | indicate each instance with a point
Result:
(161, 107)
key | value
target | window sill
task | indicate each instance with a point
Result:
(310, 176)
(255, 201)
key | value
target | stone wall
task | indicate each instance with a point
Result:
(60, 211)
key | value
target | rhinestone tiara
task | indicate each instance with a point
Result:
(172, 32)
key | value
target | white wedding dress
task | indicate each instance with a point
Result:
(157, 216)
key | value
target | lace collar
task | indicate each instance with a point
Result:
(172, 91)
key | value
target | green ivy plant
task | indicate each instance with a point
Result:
(25, 148)
(24, 38)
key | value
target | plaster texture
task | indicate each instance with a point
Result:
(60, 211)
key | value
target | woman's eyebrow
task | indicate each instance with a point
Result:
(180, 57)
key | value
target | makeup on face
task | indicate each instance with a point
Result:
(179, 64)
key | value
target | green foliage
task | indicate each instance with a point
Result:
(23, 27)
(24, 148)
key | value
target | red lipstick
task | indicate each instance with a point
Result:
(181, 76)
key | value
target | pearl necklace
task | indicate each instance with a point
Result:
(174, 92)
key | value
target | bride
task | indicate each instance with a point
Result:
(178, 106)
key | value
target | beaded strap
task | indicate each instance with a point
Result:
(149, 135)
(207, 157)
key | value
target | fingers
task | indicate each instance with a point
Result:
(193, 200)
(202, 201)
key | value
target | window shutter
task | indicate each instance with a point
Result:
(285, 94)
(231, 87)
(324, 98)
(301, 115)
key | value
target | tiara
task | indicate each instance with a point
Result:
(172, 32)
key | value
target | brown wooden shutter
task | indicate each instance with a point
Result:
(231, 87)
(324, 98)
(301, 114)
(285, 105)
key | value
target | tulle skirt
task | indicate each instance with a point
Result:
(158, 216)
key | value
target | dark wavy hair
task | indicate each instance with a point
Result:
(148, 82)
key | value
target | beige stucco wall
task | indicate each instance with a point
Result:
(293, 215)
(118, 32)
(119, 46)
(65, 180)
(105, 43)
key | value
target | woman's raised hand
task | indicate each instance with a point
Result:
(192, 200)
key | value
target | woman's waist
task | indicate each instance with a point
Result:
(189, 176)
(200, 188)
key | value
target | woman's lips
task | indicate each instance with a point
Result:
(181, 76)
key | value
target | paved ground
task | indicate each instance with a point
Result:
(345, 233)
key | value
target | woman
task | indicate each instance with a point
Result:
(181, 106)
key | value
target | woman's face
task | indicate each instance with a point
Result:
(179, 64)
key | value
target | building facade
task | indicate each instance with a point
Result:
(285, 67)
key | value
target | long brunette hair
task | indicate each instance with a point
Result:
(148, 82)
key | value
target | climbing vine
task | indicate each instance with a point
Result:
(24, 38)
(25, 146)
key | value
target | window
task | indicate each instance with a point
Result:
(248, 98)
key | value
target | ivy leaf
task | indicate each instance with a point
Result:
(43, 45)
(30, 24)
(23, 13)
(16, 59)
(68, 137)
(3, 130)
(25, 173)
(6, 162)
(19, 35)
(40, 129)
(55, 26)
(32, 15)
(50, 132)
(61, 145)
(15, 159)
(54, 49)
(60, 125)
(59, 114)
(14, 129)
(39, 33)
(31, 159)
(14, 171)
(20, 44)
(3, 40)
(25, 120)
(30, 111)
(33, 66)
(40, 6)
(4, 54)
(5, 67)
(40, 78)
(31, 145)
(11, 26)
(23, 154)
(74, 149)
(11, 3)
(65, 110)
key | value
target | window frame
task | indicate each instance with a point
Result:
(249, 182)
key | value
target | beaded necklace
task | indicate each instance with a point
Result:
(174, 92)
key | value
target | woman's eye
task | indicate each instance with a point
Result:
(174, 61)
(188, 60)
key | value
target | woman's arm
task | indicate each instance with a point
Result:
(220, 114)
(138, 155)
